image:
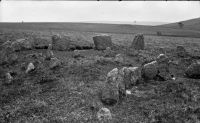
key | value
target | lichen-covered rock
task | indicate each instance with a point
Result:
(180, 51)
(131, 76)
(104, 114)
(101, 42)
(22, 44)
(30, 67)
(150, 70)
(193, 71)
(138, 42)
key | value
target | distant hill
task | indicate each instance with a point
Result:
(99, 28)
(192, 24)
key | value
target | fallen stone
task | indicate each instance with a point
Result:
(138, 42)
(193, 71)
(101, 42)
(104, 114)
(22, 44)
(30, 68)
(180, 51)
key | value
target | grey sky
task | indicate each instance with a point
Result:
(69, 11)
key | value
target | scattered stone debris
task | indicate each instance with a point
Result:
(104, 114)
(101, 42)
(138, 42)
(22, 44)
(193, 71)
(30, 67)
(54, 63)
(119, 58)
(180, 51)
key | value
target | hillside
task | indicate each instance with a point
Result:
(192, 24)
(103, 28)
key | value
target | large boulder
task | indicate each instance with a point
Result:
(193, 71)
(138, 42)
(60, 43)
(41, 42)
(150, 70)
(101, 42)
(180, 51)
(22, 44)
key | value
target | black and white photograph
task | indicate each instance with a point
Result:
(99, 61)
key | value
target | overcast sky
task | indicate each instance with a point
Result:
(77, 11)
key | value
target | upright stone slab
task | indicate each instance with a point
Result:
(138, 42)
(60, 43)
(101, 42)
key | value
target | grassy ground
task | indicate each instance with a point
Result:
(70, 93)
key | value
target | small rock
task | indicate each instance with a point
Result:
(119, 58)
(30, 68)
(162, 58)
(138, 42)
(9, 78)
(180, 51)
(104, 114)
(54, 63)
(101, 42)
(108, 52)
(193, 71)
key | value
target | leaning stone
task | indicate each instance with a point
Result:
(30, 68)
(101, 42)
(193, 71)
(138, 42)
(104, 114)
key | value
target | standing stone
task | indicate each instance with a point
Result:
(193, 71)
(180, 51)
(150, 70)
(102, 42)
(138, 42)
(61, 43)
(49, 53)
